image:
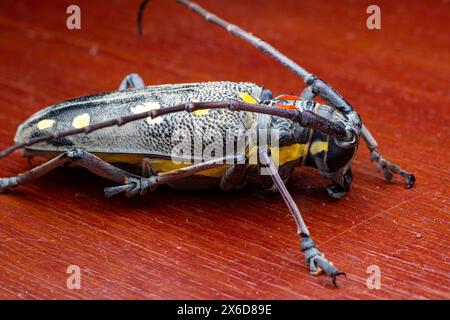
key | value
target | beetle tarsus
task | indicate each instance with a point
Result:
(335, 275)
(336, 191)
(75, 154)
(390, 168)
(411, 179)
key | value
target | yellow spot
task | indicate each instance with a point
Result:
(146, 107)
(247, 97)
(201, 112)
(318, 147)
(45, 124)
(81, 121)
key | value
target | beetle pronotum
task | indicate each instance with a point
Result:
(126, 136)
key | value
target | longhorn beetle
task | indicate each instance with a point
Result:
(126, 136)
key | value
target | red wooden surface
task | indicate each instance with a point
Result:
(171, 244)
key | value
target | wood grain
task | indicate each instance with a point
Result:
(172, 244)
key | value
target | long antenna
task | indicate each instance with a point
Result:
(257, 42)
(139, 17)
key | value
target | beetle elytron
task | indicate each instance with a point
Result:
(127, 136)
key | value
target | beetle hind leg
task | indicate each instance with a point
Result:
(76, 157)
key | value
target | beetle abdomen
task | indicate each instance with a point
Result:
(150, 136)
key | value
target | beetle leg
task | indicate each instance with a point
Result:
(133, 81)
(133, 186)
(382, 164)
(314, 258)
(234, 178)
(76, 157)
(284, 172)
(266, 94)
(140, 186)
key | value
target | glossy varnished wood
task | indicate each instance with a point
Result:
(172, 244)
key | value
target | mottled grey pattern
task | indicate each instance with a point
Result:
(142, 137)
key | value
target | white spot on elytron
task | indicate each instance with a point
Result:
(146, 107)
(45, 124)
(81, 121)
(201, 112)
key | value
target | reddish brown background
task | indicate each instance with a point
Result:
(172, 244)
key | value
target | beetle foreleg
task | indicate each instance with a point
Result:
(314, 258)
(133, 81)
(382, 164)
(23, 178)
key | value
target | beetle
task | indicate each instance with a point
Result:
(127, 136)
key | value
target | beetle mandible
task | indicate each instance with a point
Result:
(126, 136)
